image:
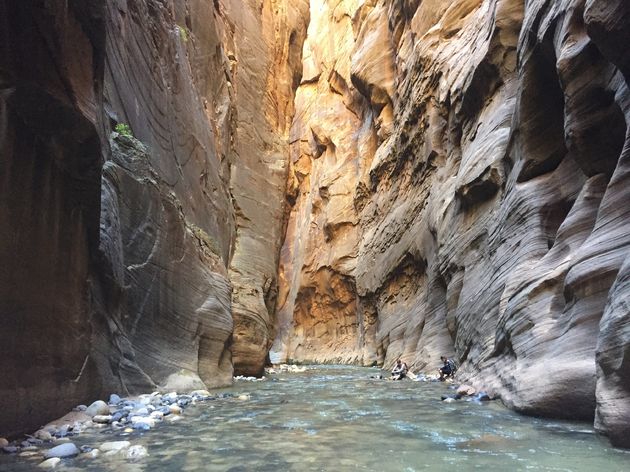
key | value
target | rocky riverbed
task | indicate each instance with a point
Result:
(315, 418)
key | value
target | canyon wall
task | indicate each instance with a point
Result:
(459, 186)
(142, 203)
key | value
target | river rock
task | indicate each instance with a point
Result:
(114, 399)
(103, 419)
(140, 412)
(139, 422)
(466, 390)
(50, 463)
(99, 407)
(136, 452)
(3, 442)
(114, 446)
(93, 454)
(43, 435)
(175, 409)
(63, 450)
(200, 393)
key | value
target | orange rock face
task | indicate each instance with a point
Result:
(456, 185)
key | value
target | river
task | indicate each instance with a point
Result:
(336, 418)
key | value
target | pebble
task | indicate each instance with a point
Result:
(50, 463)
(99, 407)
(140, 412)
(29, 454)
(143, 419)
(136, 452)
(63, 450)
(93, 454)
(142, 426)
(466, 390)
(43, 435)
(114, 446)
(119, 415)
(103, 419)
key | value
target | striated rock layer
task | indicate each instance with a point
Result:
(459, 186)
(139, 258)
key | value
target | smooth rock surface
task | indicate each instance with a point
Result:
(50, 463)
(63, 450)
(458, 187)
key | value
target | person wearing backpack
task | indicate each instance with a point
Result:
(448, 369)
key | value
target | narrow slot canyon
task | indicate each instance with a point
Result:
(197, 191)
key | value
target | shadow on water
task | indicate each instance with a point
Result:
(335, 418)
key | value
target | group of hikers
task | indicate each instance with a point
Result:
(447, 370)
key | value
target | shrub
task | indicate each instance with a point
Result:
(123, 129)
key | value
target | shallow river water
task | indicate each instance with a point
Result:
(334, 418)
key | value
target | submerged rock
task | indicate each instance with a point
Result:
(63, 450)
(114, 446)
(50, 463)
(136, 452)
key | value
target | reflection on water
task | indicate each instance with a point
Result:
(338, 419)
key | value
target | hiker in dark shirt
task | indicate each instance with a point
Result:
(448, 369)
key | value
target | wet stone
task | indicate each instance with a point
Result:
(50, 463)
(63, 450)
(99, 407)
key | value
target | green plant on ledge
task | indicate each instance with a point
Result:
(123, 129)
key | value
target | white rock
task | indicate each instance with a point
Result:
(114, 446)
(136, 452)
(99, 407)
(43, 435)
(175, 409)
(63, 450)
(50, 463)
(243, 397)
(93, 454)
(144, 420)
(102, 419)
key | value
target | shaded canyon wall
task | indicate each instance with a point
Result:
(139, 260)
(459, 186)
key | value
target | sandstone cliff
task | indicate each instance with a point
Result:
(459, 186)
(122, 251)
(356, 179)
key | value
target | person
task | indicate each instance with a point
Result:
(399, 371)
(448, 369)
